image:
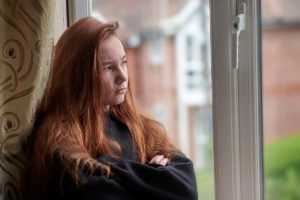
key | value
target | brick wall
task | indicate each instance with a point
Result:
(281, 82)
(155, 84)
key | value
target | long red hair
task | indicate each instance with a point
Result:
(70, 118)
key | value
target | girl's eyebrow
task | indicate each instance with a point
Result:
(107, 62)
(111, 62)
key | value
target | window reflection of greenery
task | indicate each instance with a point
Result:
(282, 169)
(205, 184)
(205, 175)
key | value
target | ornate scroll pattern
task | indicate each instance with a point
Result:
(9, 126)
(25, 58)
(10, 191)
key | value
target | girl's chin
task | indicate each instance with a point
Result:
(116, 101)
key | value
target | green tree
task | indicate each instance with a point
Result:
(282, 169)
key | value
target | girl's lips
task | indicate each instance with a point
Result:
(121, 91)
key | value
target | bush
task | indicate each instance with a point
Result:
(282, 169)
(205, 184)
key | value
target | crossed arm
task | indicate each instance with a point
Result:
(160, 179)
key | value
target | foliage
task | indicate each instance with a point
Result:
(282, 169)
(205, 184)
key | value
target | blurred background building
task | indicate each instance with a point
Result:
(281, 67)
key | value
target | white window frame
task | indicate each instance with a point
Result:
(237, 104)
(77, 9)
(237, 113)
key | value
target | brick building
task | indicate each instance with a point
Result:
(281, 68)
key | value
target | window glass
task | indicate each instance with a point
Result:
(281, 97)
(168, 51)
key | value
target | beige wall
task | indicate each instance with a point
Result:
(28, 31)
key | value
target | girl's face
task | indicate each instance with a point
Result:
(114, 66)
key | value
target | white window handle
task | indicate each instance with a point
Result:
(239, 24)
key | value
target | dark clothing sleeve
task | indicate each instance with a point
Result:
(95, 188)
(153, 181)
(133, 180)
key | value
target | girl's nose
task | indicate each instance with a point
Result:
(122, 75)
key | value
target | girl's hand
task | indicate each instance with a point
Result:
(159, 159)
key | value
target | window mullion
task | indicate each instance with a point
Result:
(236, 103)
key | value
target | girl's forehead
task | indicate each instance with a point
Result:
(112, 47)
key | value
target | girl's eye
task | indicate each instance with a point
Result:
(108, 68)
(124, 62)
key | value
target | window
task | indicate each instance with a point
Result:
(189, 48)
(237, 100)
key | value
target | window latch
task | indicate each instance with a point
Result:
(239, 24)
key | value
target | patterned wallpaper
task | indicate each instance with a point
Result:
(28, 31)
